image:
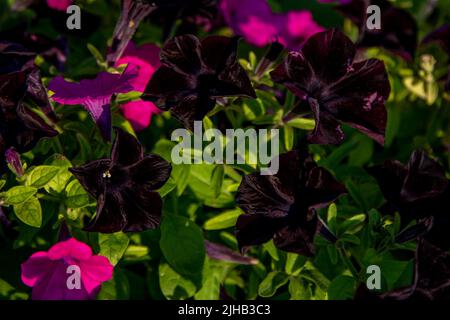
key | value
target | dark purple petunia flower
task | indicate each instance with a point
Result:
(194, 73)
(134, 11)
(124, 187)
(282, 207)
(20, 85)
(418, 191)
(337, 89)
(398, 32)
(94, 94)
(441, 36)
(431, 278)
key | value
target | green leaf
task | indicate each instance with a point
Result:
(18, 195)
(302, 123)
(59, 182)
(168, 187)
(182, 244)
(77, 197)
(173, 285)
(333, 254)
(342, 288)
(2, 183)
(288, 134)
(332, 216)
(294, 263)
(224, 220)
(299, 289)
(271, 283)
(29, 212)
(113, 246)
(213, 275)
(97, 55)
(118, 288)
(40, 176)
(353, 224)
(217, 179)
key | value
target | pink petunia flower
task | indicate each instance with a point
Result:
(260, 26)
(146, 60)
(60, 5)
(94, 94)
(52, 274)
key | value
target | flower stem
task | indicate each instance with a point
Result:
(350, 262)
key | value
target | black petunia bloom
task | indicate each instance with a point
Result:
(20, 85)
(194, 73)
(283, 207)
(337, 89)
(418, 191)
(431, 278)
(398, 32)
(124, 187)
(135, 11)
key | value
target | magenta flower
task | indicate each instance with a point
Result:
(145, 59)
(60, 5)
(94, 94)
(52, 274)
(259, 25)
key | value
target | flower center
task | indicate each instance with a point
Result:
(107, 174)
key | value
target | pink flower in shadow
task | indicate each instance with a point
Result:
(60, 5)
(146, 60)
(48, 272)
(259, 25)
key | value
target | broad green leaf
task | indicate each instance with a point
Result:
(40, 176)
(173, 285)
(342, 288)
(224, 220)
(294, 263)
(29, 212)
(273, 281)
(299, 289)
(182, 244)
(59, 182)
(18, 195)
(2, 183)
(113, 246)
(77, 197)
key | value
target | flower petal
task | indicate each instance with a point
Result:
(358, 99)
(35, 267)
(70, 248)
(182, 54)
(425, 179)
(111, 216)
(152, 171)
(139, 113)
(256, 229)
(127, 150)
(144, 209)
(91, 176)
(298, 238)
(95, 271)
(330, 53)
